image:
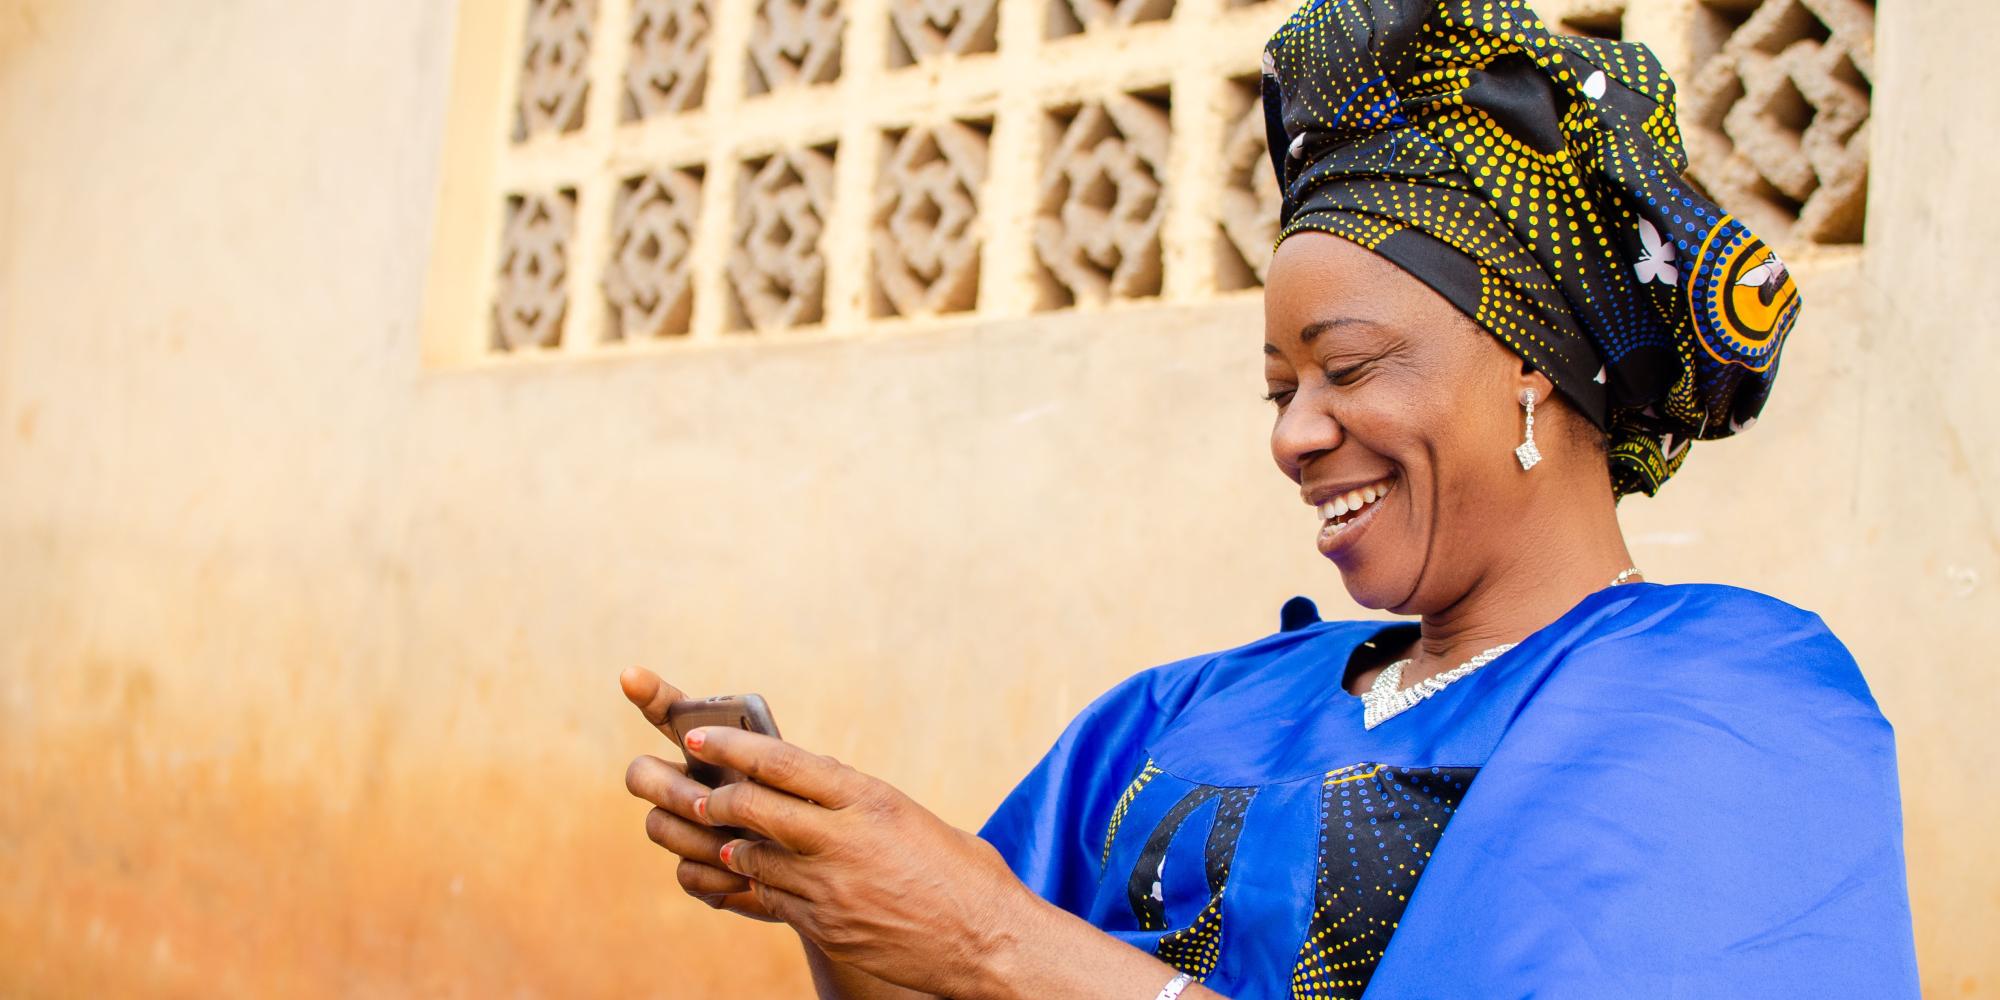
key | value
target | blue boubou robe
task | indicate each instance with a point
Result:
(1672, 791)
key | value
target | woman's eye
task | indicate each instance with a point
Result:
(1279, 396)
(1345, 376)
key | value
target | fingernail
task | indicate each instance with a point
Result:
(695, 739)
(701, 808)
(728, 851)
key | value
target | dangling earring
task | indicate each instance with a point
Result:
(1527, 452)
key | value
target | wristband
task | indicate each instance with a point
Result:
(1174, 987)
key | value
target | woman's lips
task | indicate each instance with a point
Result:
(1343, 516)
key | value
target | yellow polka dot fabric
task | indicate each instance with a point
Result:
(1378, 827)
(1534, 180)
(1195, 948)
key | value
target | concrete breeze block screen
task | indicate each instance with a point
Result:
(622, 173)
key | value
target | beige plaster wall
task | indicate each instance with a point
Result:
(307, 653)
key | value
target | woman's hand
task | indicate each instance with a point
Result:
(673, 823)
(882, 891)
(873, 879)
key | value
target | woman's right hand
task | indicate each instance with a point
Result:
(673, 823)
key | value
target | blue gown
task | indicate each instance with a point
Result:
(1672, 791)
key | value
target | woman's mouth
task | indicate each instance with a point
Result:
(1343, 514)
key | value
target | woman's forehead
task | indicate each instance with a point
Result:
(1326, 286)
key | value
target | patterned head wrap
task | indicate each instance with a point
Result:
(1534, 180)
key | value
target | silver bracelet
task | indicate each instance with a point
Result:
(1175, 986)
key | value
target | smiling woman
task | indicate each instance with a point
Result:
(1558, 780)
(1384, 387)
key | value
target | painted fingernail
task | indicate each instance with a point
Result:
(701, 808)
(728, 851)
(695, 739)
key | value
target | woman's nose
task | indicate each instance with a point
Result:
(1303, 431)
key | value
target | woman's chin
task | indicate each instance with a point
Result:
(1372, 590)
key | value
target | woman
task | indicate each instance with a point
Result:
(1495, 308)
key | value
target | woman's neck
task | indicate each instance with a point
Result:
(1551, 559)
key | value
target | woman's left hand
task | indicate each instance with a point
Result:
(857, 867)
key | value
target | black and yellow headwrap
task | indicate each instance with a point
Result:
(1534, 180)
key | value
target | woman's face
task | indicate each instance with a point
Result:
(1398, 418)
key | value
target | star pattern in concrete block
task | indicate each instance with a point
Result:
(1778, 116)
(1071, 17)
(532, 295)
(925, 239)
(666, 68)
(1097, 231)
(648, 282)
(794, 43)
(1248, 207)
(554, 73)
(925, 29)
(777, 271)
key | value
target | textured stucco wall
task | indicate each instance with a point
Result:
(307, 653)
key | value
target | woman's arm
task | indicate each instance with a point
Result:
(1088, 968)
(1061, 955)
(834, 981)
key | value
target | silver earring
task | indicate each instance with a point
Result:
(1527, 452)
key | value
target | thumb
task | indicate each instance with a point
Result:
(652, 695)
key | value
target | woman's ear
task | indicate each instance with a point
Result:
(1532, 378)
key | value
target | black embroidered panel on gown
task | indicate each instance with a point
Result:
(1378, 827)
(1193, 949)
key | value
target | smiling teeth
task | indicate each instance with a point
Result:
(1354, 500)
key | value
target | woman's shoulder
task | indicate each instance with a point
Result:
(1743, 624)
(1712, 599)
(1657, 637)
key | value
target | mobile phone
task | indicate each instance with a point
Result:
(735, 711)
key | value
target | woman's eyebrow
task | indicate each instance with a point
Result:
(1319, 326)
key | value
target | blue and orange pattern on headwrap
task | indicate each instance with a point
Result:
(1535, 180)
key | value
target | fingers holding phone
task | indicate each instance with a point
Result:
(747, 712)
(700, 872)
(675, 821)
(667, 786)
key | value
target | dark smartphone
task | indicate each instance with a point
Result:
(736, 711)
